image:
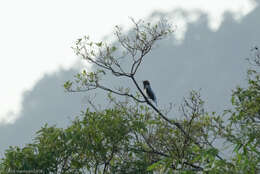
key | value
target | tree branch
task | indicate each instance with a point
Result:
(122, 94)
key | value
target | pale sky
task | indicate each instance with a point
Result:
(36, 36)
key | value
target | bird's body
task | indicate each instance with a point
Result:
(149, 92)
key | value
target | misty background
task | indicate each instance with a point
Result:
(213, 61)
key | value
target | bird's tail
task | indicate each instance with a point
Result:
(155, 101)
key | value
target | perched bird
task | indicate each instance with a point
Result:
(149, 92)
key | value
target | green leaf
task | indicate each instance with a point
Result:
(113, 49)
(67, 85)
(99, 44)
(154, 166)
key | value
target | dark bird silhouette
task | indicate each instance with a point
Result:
(148, 91)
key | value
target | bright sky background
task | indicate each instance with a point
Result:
(36, 36)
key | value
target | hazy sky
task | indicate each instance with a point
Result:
(36, 36)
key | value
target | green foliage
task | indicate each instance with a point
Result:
(245, 123)
(125, 139)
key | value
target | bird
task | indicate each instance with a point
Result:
(148, 91)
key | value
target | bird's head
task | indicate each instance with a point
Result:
(145, 83)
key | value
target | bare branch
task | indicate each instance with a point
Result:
(122, 94)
